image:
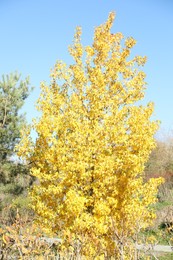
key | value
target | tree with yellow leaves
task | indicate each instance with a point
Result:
(93, 142)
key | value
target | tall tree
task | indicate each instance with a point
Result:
(93, 142)
(14, 178)
(13, 93)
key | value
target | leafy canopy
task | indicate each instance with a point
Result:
(93, 142)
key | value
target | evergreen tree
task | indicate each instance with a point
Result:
(13, 93)
(14, 178)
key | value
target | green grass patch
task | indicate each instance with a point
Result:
(161, 205)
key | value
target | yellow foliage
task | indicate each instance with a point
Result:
(92, 145)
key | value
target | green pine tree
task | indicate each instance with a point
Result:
(13, 93)
(14, 177)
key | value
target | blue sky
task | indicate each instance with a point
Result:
(36, 33)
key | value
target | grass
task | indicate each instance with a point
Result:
(166, 257)
(161, 205)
